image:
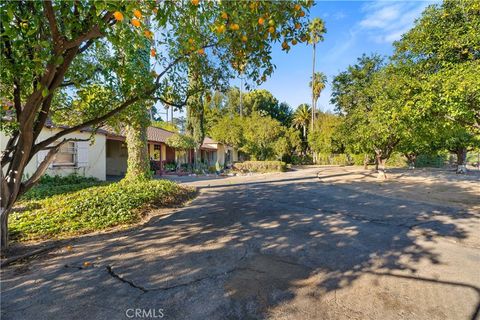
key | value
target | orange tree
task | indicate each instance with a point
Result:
(64, 60)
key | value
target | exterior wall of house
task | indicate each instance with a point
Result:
(89, 156)
(116, 158)
(221, 154)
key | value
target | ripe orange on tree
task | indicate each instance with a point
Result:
(118, 15)
(261, 21)
(147, 34)
(137, 13)
(136, 22)
(153, 52)
(195, 2)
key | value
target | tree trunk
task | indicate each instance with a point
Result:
(366, 160)
(380, 164)
(461, 160)
(138, 164)
(4, 230)
(313, 86)
(411, 157)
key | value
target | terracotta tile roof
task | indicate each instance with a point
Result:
(158, 135)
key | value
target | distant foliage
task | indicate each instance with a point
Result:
(180, 141)
(165, 125)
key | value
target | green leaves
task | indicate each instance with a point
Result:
(93, 208)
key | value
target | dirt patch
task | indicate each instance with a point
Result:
(427, 185)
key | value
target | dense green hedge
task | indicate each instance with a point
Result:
(261, 166)
(51, 185)
(93, 208)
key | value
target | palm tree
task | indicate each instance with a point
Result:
(316, 31)
(317, 84)
(301, 118)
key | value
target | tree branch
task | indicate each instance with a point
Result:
(52, 21)
(25, 186)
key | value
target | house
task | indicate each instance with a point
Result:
(158, 151)
(86, 158)
(213, 152)
(106, 154)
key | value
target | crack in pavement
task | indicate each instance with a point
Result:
(186, 284)
(122, 279)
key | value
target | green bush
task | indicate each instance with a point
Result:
(94, 208)
(357, 159)
(302, 160)
(333, 159)
(261, 166)
(51, 185)
(432, 160)
(397, 160)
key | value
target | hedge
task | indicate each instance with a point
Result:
(93, 208)
(261, 166)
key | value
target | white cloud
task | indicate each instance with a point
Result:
(386, 21)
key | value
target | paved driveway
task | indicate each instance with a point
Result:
(280, 246)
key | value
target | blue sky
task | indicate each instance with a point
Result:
(353, 28)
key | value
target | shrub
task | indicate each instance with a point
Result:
(303, 159)
(94, 208)
(357, 159)
(261, 166)
(333, 159)
(397, 160)
(432, 160)
(51, 185)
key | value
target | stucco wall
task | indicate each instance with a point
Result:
(96, 155)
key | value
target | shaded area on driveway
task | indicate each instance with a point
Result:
(276, 246)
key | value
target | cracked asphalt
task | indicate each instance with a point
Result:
(275, 246)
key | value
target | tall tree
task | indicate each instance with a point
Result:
(318, 83)
(443, 50)
(316, 31)
(301, 118)
(264, 102)
(323, 138)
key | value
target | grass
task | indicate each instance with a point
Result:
(90, 209)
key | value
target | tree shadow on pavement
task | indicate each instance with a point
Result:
(276, 249)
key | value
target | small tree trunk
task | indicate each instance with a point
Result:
(138, 164)
(380, 164)
(461, 160)
(4, 230)
(411, 157)
(366, 160)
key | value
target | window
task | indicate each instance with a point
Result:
(66, 155)
(156, 152)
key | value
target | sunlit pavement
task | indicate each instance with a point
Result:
(277, 246)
